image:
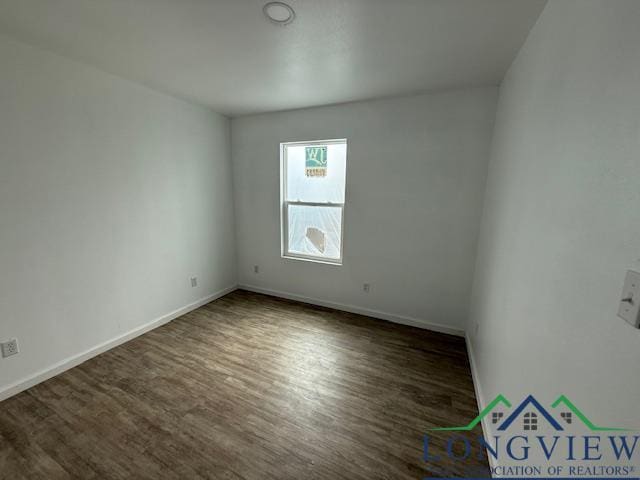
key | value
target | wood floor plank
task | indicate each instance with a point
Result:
(246, 387)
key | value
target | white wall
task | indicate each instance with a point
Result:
(111, 197)
(561, 219)
(416, 172)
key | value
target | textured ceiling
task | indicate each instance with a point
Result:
(225, 54)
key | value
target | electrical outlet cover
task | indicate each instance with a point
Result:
(629, 308)
(10, 348)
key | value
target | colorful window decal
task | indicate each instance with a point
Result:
(315, 161)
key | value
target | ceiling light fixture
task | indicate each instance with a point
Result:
(279, 13)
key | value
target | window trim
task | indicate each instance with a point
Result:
(284, 206)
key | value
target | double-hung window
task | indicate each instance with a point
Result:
(312, 199)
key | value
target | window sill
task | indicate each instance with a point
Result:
(335, 263)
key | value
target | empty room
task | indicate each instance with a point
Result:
(319, 239)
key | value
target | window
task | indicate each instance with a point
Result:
(530, 421)
(312, 195)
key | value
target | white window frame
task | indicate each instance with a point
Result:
(284, 206)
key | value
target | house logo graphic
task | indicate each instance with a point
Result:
(532, 412)
(532, 440)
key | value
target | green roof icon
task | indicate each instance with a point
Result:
(500, 399)
(562, 400)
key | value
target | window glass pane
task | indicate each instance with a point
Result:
(310, 178)
(315, 231)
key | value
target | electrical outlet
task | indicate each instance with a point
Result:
(366, 287)
(10, 348)
(194, 281)
(256, 269)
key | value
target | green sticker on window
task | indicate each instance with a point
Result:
(315, 161)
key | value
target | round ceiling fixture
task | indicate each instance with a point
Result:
(279, 13)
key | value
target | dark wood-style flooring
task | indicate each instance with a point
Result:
(246, 387)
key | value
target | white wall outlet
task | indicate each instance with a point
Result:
(256, 269)
(10, 348)
(629, 307)
(194, 281)
(366, 287)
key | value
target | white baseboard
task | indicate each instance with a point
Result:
(486, 428)
(76, 360)
(413, 322)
